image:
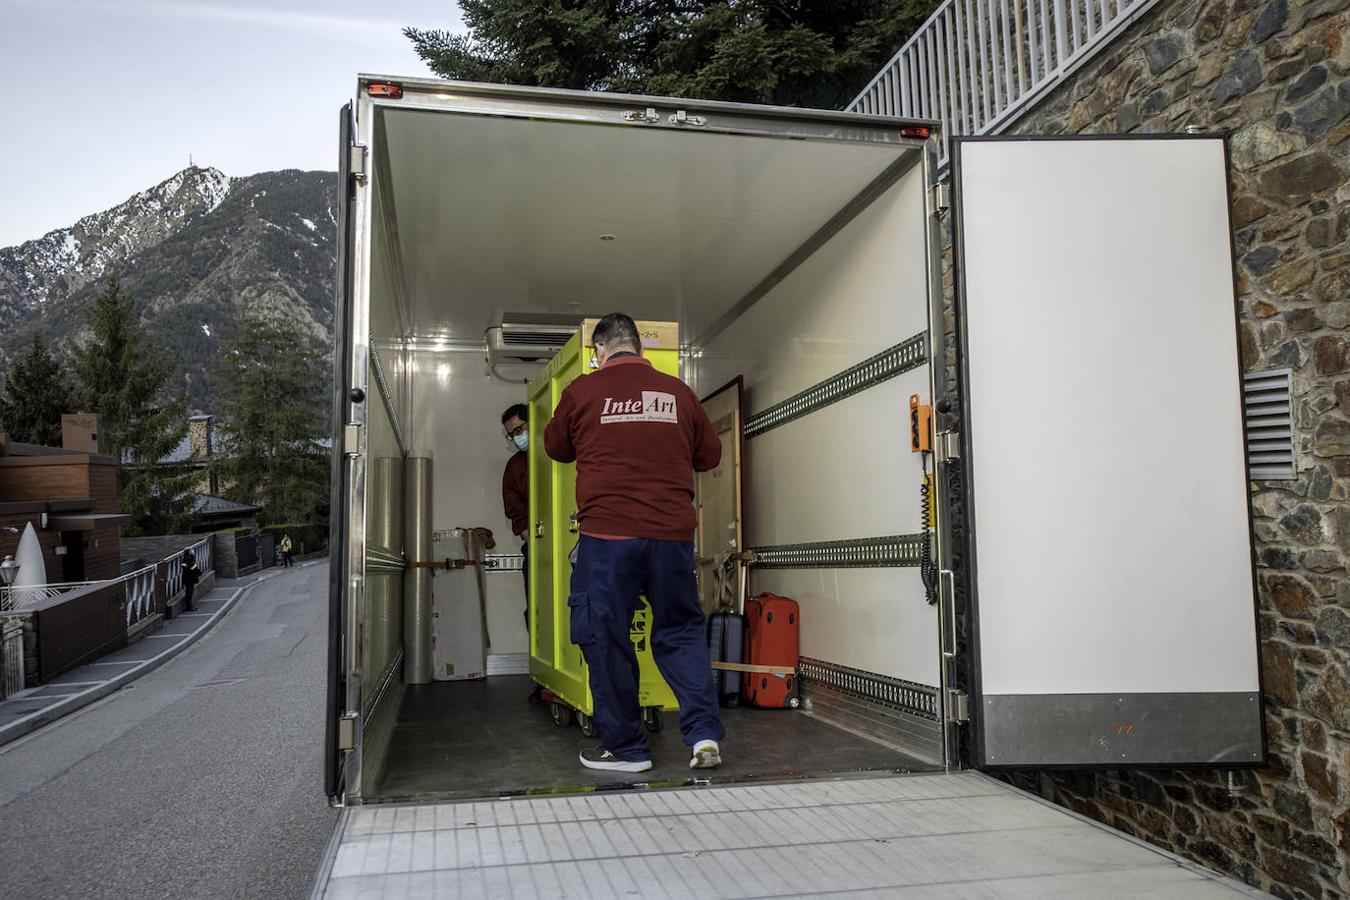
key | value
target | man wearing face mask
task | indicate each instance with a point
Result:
(516, 492)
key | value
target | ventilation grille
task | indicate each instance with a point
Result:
(1270, 424)
(521, 337)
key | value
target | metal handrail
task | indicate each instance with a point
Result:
(975, 65)
(140, 584)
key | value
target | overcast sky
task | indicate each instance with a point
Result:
(109, 97)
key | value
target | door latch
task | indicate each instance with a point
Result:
(539, 528)
(648, 115)
(573, 522)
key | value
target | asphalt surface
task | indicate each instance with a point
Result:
(202, 779)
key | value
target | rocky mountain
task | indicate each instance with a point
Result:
(193, 251)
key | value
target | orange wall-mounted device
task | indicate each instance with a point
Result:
(920, 426)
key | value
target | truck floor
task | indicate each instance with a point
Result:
(469, 739)
(937, 836)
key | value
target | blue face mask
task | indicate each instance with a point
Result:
(522, 441)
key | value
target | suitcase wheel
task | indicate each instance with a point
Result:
(651, 719)
(586, 724)
(793, 703)
(733, 701)
(562, 715)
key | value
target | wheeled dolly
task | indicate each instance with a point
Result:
(564, 715)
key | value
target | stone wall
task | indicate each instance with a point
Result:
(1273, 73)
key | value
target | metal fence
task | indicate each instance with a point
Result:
(11, 657)
(143, 597)
(976, 64)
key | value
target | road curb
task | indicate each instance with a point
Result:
(59, 710)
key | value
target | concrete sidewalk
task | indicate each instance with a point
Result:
(32, 708)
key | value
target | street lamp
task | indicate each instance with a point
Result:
(9, 570)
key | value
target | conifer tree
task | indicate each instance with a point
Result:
(802, 53)
(272, 402)
(124, 380)
(36, 395)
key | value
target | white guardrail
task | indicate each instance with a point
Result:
(140, 585)
(976, 64)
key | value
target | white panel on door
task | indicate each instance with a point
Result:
(1112, 569)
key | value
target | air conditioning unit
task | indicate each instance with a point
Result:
(530, 337)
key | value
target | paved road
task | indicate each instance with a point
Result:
(202, 779)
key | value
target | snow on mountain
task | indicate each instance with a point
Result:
(66, 259)
(192, 251)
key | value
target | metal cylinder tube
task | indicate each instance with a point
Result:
(417, 581)
(384, 593)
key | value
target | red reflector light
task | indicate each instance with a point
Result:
(380, 89)
(920, 132)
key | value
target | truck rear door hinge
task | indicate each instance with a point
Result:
(958, 706)
(351, 440)
(939, 199)
(947, 446)
(356, 163)
(346, 731)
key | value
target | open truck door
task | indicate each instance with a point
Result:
(1107, 528)
(344, 545)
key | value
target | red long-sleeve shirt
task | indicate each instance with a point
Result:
(637, 436)
(516, 491)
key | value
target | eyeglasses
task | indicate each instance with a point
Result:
(519, 429)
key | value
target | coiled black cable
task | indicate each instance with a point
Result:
(928, 568)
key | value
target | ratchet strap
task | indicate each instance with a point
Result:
(452, 564)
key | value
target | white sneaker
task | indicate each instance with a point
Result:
(707, 755)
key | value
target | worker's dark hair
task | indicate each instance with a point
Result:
(617, 331)
(519, 410)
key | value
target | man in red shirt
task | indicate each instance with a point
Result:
(516, 494)
(637, 436)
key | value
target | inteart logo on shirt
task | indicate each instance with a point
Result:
(655, 406)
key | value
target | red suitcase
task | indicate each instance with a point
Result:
(771, 640)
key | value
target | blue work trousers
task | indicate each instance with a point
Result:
(608, 577)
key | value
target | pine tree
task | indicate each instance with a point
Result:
(760, 51)
(271, 394)
(123, 380)
(36, 396)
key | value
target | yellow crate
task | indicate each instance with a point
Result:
(555, 662)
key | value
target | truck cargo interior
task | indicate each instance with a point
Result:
(792, 252)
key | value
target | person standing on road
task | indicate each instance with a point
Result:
(637, 437)
(516, 496)
(286, 549)
(191, 575)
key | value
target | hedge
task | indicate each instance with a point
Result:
(308, 537)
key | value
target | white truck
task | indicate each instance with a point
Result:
(1090, 600)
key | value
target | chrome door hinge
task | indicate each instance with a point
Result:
(680, 117)
(356, 163)
(939, 199)
(346, 732)
(648, 115)
(958, 706)
(351, 440)
(947, 446)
